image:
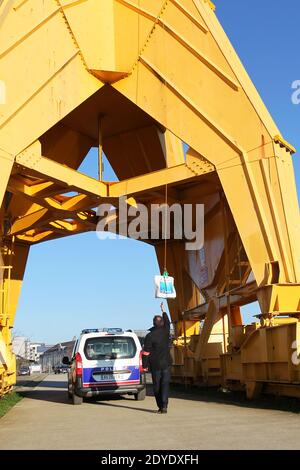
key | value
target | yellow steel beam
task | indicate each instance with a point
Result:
(58, 202)
(31, 163)
(36, 237)
(210, 3)
(36, 187)
(6, 164)
(280, 299)
(284, 143)
(35, 164)
(174, 150)
(15, 255)
(43, 217)
(212, 318)
(187, 171)
(20, 185)
(30, 220)
(56, 229)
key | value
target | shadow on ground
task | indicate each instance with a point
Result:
(51, 384)
(57, 392)
(29, 380)
(216, 395)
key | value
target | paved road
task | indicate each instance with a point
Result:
(196, 420)
(28, 381)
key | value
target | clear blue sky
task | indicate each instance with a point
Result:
(80, 282)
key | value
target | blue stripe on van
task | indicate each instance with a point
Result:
(89, 371)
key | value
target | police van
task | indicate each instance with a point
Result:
(104, 362)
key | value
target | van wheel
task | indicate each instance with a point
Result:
(140, 395)
(76, 399)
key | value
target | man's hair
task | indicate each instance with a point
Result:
(158, 321)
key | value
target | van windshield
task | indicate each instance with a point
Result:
(110, 347)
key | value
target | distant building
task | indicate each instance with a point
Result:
(21, 347)
(53, 356)
(33, 351)
(43, 348)
(36, 350)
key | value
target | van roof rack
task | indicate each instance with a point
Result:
(90, 330)
(111, 331)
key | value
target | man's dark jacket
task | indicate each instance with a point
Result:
(157, 344)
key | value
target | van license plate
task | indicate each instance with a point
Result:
(109, 377)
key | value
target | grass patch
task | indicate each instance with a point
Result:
(8, 401)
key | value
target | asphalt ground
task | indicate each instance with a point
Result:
(197, 419)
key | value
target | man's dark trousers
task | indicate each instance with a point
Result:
(161, 381)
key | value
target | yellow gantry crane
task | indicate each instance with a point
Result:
(139, 78)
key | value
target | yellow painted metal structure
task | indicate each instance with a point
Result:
(138, 78)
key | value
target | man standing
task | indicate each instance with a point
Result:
(156, 356)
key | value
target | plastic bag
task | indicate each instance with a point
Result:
(164, 287)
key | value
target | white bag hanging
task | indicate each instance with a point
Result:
(164, 287)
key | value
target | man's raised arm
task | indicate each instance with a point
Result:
(166, 319)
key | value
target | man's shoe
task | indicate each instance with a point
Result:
(159, 411)
(164, 411)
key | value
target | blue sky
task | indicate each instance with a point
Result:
(80, 282)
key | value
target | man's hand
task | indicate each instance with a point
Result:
(162, 307)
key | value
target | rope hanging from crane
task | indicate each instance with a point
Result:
(164, 285)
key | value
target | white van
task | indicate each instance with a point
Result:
(106, 362)
(35, 368)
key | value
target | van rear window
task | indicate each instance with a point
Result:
(109, 347)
